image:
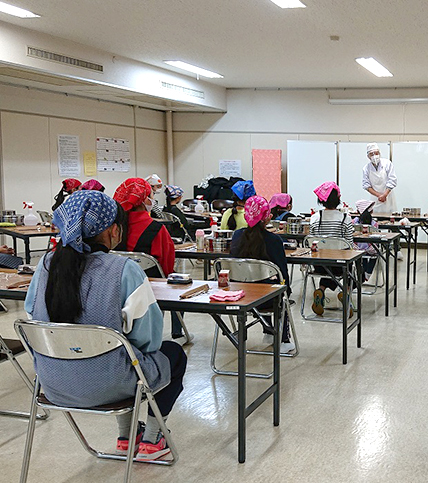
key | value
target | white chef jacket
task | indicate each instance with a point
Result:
(379, 178)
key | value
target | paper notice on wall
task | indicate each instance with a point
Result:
(113, 154)
(229, 168)
(68, 155)
(90, 163)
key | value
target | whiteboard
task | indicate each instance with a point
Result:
(352, 159)
(411, 167)
(309, 164)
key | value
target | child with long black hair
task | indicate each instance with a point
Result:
(81, 283)
(69, 186)
(258, 243)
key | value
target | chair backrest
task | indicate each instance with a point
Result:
(221, 205)
(248, 269)
(67, 341)
(329, 242)
(45, 216)
(189, 202)
(176, 219)
(170, 217)
(74, 341)
(145, 260)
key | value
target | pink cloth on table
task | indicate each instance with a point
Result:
(227, 295)
(323, 191)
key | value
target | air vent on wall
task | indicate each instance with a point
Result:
(63, 59)
(184, 90)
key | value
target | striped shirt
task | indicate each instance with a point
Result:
(332, 223)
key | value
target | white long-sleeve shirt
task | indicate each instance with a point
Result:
(391, 178)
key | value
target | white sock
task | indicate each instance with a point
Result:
(152, 429)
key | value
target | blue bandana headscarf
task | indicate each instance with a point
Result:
(244, 189)
(173, 191)
(84, 214)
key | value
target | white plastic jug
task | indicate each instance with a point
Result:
(30, 219)
(199, 208)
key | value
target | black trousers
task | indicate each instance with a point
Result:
(328, 282)
(166, 398)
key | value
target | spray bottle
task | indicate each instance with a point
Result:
(30, 219)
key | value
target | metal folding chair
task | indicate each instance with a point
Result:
(250, 270)
(78, 341)
(324, 242)
(45, 216)
(170, 217)
(147, 262)
(9, 350)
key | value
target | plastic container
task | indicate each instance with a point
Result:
(30, 219)
(199, 208)
(200, 240)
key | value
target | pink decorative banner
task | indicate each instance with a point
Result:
(267, 172)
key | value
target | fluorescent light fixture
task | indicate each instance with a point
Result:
(193, 68)
(16, 11)
(376, 101)
(289, 3)
(373, 66)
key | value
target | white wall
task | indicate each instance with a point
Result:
(30, 122)
(263, 119)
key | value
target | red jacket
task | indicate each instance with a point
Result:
(151, 237)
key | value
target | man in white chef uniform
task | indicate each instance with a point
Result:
(379, 180)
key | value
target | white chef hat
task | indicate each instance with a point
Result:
(154, 180)
(372, 147)
(363, 205)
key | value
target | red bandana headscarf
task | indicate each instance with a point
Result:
(132, 193)
(70, 184)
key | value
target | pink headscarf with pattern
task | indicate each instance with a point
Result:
(92, 185)
(323, 191)
(256, 209)
(280, 199)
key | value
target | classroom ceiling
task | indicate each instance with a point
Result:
(253, 43)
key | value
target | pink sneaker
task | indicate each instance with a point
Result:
(149, 451)
(122, 444)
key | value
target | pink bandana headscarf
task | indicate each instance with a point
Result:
(92, 185)
(323, 191)
(363, 205)
(256, 209)
(280, 199)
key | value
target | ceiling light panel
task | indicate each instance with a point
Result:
(289, 3)
(373, 66)
(193, 68)
(16, 11)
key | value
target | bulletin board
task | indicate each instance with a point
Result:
(267, 172)
(309, 164)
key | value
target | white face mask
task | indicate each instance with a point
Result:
(375, 158)
(148, 204)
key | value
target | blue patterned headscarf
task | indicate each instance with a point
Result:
(173, 191)
(244, 189)
(84, 214)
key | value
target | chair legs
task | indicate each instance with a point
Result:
(4, 349)
(129, 458)
(286, 307)
(183, 325)
(317, 318)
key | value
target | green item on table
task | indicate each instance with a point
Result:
(6, 224)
